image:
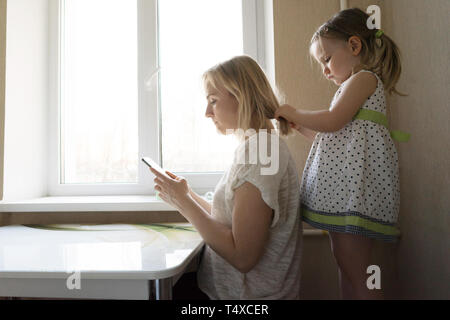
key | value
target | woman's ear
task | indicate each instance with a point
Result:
(355, 44)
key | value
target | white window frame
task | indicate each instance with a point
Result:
(149, 129)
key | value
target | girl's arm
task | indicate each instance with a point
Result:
(243, 244)
(308, 133)
(354, 93)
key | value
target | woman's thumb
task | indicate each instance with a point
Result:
(171, 174)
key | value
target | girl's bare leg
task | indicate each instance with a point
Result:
(352, 253)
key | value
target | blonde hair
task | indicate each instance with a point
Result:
(243, 78)
(378, 54)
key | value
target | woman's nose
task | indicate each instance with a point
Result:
(326, 71)
(209, 112)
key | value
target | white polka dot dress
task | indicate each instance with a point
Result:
(350, 183)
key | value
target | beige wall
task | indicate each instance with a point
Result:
(421, 29)
(419, 265)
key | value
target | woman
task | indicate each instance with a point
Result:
(252, 230)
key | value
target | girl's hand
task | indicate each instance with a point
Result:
(295, 126)
(285, 111)
(172, 189)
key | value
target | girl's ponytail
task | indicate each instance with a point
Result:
(383, 58)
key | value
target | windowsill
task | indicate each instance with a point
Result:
(86, 204)
(104, 204)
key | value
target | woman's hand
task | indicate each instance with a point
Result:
(172, 189)
(285, 111)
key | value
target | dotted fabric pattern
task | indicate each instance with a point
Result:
(354, 169)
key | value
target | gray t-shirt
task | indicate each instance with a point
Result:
(277, 274)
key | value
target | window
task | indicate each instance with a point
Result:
(99, 106)
(189, 44)
(127, 84)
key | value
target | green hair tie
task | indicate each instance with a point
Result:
(379, 34)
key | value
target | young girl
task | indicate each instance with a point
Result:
(350, 184)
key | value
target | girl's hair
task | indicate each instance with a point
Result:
(243, 78)
(378, 54)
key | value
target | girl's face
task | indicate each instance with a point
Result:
(222, 108)
(337, 57)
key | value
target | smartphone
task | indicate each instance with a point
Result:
(152, 164)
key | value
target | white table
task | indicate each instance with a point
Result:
(119, 261)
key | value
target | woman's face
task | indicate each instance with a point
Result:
(222, 108)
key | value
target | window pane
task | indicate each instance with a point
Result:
(99, 132)
(194, 36)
